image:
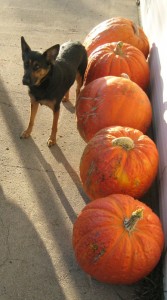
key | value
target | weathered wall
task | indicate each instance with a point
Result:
(154, 22)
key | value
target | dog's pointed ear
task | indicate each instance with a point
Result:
(25, 47)
(51, 53)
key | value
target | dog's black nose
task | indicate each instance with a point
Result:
(26, 80)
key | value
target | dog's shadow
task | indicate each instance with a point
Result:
(60, 157)
(69, 106)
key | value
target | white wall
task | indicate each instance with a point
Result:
(154, 22)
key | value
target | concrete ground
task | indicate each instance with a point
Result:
(40, 190)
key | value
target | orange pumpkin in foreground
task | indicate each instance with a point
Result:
(115, 30)
(112, 101)
(118, 160)
(117, 239)
(117, 58)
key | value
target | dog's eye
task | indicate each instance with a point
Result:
(36, 67)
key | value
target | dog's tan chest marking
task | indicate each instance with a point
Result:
(50, 104)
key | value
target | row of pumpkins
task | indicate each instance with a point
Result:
(116, 238)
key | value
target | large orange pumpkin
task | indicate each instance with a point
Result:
(112, 101)
(117, 58)
(118, 160)
(115, 30)
(117, 239)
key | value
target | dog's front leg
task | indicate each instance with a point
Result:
(52, 138)
(34, 109)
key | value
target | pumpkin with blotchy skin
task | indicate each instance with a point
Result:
(118, 160)
(117, 58)
(112, 101)
(117, 239)
(115, 30)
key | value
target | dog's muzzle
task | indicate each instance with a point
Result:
(26, 80)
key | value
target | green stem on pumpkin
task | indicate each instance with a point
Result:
(124, 75)
(118, 49)
(132, 221)
(124, 142)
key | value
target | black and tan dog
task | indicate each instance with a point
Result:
(49, 77)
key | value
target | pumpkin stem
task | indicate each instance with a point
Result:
(124, 142)
(118, 49)
(132, 221)
(135, 29)
(124, 75)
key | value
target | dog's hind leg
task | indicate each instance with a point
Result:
(79, 80)
(80, 74)
(66, 96)
(34, 109)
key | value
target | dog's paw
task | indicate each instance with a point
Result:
(51, 142)
(25, 134)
